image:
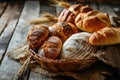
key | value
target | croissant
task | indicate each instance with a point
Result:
(105, 36)
(37, 35)
(51, 48)
(92, 21)
(63, 30)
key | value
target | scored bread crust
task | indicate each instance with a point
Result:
(63, 30)
(51, 48)
(105, 36)
(37, 35)
(92, 21)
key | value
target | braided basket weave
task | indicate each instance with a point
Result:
(62, 64)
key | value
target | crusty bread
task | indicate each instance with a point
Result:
(77, 46)
(66, 16)
(37, 35)
(63, 30)
(92, 21)
(79, 8)
(51, 48)
(105, 36)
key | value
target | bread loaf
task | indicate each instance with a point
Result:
(63, 30)
(105, 36)
(77, 47)
(37, 35)
(66, 16)
(92, 21)
(51, 48)
(79, 8)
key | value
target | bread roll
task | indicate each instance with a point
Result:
(63, 30)
(79, 8)
(77, 47)
(66, 16)
(92, 21)
(105, 36)
(37, 35)
(51, 48)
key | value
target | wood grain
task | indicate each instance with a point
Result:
(116, 8)
(2, 8)
(30, 11)
(8, 21)
(45, 8)
(106, 8)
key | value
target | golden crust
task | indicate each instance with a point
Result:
(92, 21)
(105, 36)
(66, 16)
(79, 8)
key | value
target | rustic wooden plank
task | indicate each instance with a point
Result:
(2, 7)
(93, 5)
(104, 7)
(11, 19)
(116, 8)
(30, 11)
(9, 13)
(47, 8)
(58, 10)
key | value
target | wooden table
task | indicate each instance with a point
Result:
(14, 26)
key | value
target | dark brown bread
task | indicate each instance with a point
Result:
(63, 30)
(51, 48)
(66, 16)
(37, 35)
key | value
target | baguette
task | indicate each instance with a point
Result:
(51, 48)
(105, 36)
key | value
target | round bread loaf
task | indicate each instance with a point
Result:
(37, 36)
(77, 46)
(63, 30)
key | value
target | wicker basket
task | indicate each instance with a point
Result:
(60, 65)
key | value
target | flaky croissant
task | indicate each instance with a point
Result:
(92, 21)
(105, 36)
